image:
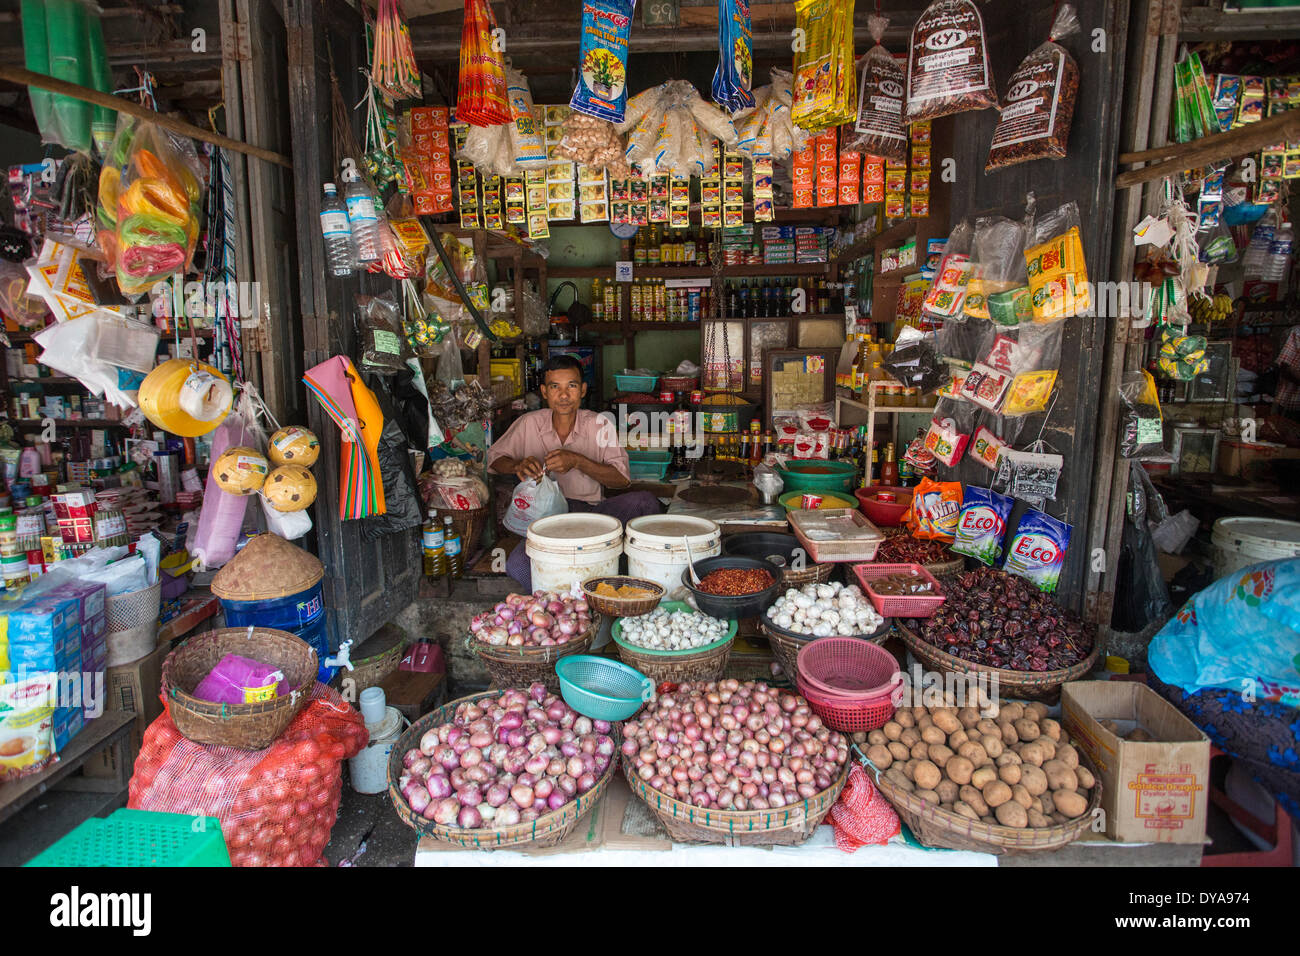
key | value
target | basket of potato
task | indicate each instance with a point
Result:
(964, 780)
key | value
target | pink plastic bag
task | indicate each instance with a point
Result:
(241, 680)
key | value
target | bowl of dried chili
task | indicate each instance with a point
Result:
(733, 587)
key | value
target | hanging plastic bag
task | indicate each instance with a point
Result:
(1039, 104)
(1141, 434)
(403, 503)
(482, 96)
(915, 361)
(383, 345)
(1058, 275)
(733, 79)
(1181, 357)
(948, 66)
(950, 430)
(947, 293)
(602, 79)
(531, 500)
(1017, 374)
(1140, 592)
(997, 268)
(825, 81)
(221, 518)
(879, 130)
(158, 208)
(529, 150)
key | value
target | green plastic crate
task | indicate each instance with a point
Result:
(138, 838)
(648, 465)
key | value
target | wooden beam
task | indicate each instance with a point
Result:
(22, 77)
(1209, 149)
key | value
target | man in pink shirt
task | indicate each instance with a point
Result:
(579, 449)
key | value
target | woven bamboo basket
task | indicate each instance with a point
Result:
(520, 666)
(809, 574)
(786, 645)
(787, 826)
(1028, 685)
(469, 524)
(370, 671)
(547, 830)
(621, 606)
(246, 726)
(936, 827)
(706, 663)
(946, 567)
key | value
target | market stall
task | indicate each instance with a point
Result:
(605, 453)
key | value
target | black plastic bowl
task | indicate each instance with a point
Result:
(736, 607)
(762, 545)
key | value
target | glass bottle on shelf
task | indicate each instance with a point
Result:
(889, 467)
(597, 300)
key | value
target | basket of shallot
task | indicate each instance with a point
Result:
(771, 785)
(501, 769)
(520, 639)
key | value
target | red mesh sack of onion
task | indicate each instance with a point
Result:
(505, 760)
(276, 806)
(542, 619)
(733, 746)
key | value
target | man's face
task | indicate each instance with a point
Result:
(563, 390)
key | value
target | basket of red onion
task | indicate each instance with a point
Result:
(501, 769)
(520, 639)
(734, 762)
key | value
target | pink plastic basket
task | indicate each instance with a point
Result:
(845, 715)
(848, 668)
(892, 606)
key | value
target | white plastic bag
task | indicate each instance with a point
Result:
(534, 499)
(289, 525)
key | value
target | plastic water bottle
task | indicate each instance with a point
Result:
(363, 219)
(1278, 263)
(1252, 263)
(334, 226)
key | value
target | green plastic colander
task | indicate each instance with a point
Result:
(602, 688)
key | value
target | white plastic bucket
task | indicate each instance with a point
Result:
(567, 549)
(369, 768)
(1241, 542)
(656, 548)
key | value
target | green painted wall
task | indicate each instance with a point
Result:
(595, 245)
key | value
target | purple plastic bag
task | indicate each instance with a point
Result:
(241, 680)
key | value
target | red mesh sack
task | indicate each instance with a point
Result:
(276, 806)
(862, 815)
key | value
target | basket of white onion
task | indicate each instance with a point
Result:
(675, 643)
(804, 614)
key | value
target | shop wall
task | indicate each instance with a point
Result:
(1084, 177)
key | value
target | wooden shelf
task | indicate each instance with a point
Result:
(69, 422)
(47, 380)
(664, 326)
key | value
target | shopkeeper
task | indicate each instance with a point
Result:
(1287, 397)
(579, 449)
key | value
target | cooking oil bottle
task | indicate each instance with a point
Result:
(435, 556)
(452, 548)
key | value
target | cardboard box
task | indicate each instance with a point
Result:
(134, 686)
(1152, 791)
(1252, 460)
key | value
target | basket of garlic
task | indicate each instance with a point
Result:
(675, 643)
(819, 610)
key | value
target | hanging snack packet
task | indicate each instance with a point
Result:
(915, 361)
(733, 79)
(982, 523)
(482, 96)
(1039, 105)
(879, 130)
(946, 441)
(525, 132)
(948, 68)
(1058, 275)
(825, 82)
(935, 507)
(602, 81)
(1037, 550)
(986, 446)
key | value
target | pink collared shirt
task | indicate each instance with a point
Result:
(594, 436)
